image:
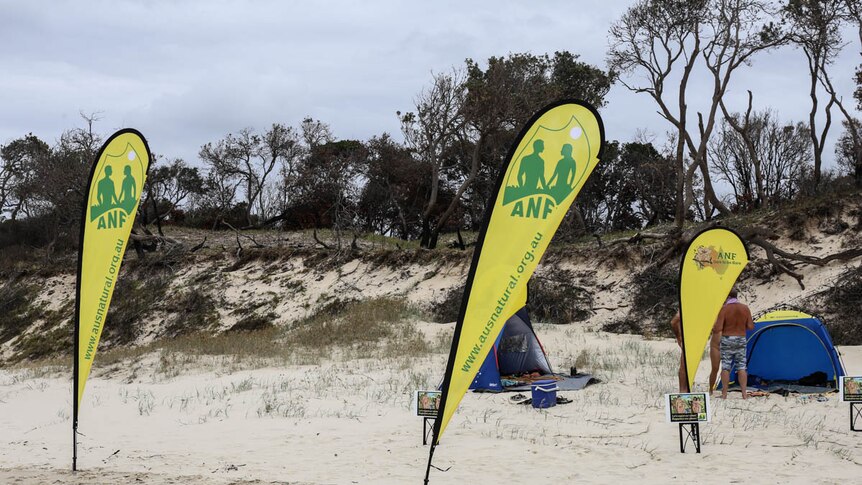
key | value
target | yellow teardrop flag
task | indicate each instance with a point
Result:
(710, 266)
(116, 181)
(546, 168)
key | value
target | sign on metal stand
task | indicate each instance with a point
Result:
(688, 410)
(425, 405)
(851, 391)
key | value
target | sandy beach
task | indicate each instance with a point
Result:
(206, 420)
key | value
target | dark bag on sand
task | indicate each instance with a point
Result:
(816, 379)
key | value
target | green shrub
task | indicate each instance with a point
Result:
(17, 311)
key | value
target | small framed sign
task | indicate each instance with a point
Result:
(427, 403)
(687, 408)
(851, 388)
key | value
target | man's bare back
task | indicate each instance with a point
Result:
(733, 320)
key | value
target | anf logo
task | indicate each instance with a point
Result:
(533, 190)
(117, 189)
(719, 260)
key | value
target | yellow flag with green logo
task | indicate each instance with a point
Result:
(546, 168)
(710, 266)
(111, 202)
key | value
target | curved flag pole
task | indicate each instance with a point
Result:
(520, 221)
(106, 221)
(711, 263)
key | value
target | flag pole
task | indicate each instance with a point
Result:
(75, 391)
(430, 456)
(77, 317)
(75, 351)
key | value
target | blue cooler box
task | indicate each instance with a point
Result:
(544, 394)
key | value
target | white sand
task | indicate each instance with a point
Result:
(350, 422)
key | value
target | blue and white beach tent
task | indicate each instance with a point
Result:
(786, 346)
(516, 351)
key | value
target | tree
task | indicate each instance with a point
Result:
(633, 187)
(654, 181)
(280, 146)
(816, 29)
(397, 185)
(607, 202)
(429, 130)
(315, 132)
(61, 181)
(464, 124)
(18, 160)
(854, 15)
(662, 42)
(850, 143)
(328, 187)
(657, 38)
(848, 152)
(571, 78)
(761, 159)
(50, 183)
(858, 93)
(170, 184)
(250, 158)
(738, 30)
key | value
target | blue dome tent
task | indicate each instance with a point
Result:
(793, 348)
(516, 351)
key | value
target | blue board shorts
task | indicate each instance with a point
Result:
(733, 351)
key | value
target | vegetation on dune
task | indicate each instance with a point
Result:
(654, 300)
(359, 326)
(17, 308)
(839, 305)
(136, 293)
(377, 328)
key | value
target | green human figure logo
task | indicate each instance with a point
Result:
(129, 194)
(560, 185)
(541, 194)
(106, 195)
(531, 173)
(110, 208)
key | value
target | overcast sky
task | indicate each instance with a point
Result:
(185, 73)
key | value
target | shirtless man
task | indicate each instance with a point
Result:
(677, 332)
(733, 321)
(696, 406)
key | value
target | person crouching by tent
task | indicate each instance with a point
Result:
(733, 321)
(677, 332)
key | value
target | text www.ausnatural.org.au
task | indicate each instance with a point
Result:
(512, 283)
(103, 300)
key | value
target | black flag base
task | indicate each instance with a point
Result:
(74, 447)
(430, 457)
(427, 429)
(855, 414)
(689, 431)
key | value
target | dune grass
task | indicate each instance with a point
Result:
(379, 328)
